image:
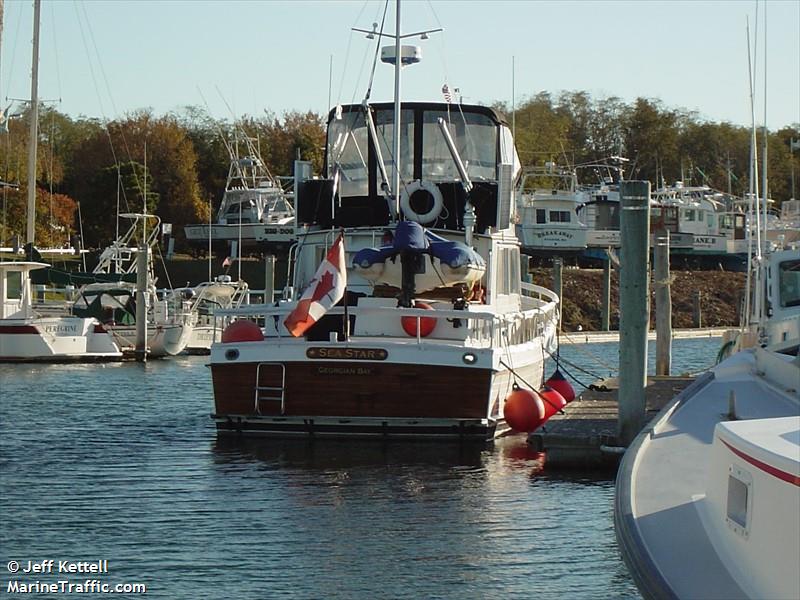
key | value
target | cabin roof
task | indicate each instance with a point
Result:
(493, 114)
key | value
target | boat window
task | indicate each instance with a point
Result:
(689, 215)
(559, 216)
(508, 152)
(739, 483)
(13, 285)
(347, 153)
(508, 271)
(475, 138)
(502, 272)
(710, 219)
(541, 215)
(384, 127)
(514, 274)
(789, 282)
(607, 215)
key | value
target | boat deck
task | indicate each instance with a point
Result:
(585, 435)
(659, 521)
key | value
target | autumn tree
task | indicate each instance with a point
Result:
(140, 139)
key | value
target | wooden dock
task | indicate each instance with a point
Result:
(585, 435)
(594, 337)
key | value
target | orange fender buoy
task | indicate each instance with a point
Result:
(426, 324)
(242, 331)
(553, 401)
(523, 410)
(560, 384)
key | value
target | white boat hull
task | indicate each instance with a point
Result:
(707, 499)
(162, 340)
(55, 339)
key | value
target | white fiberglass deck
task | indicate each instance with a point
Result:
(662, 522)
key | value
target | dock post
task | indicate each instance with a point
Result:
(663, 304)
(525, 268)
(605, 309)
(141, 302)
(697, 317)
(269, 279)
(633, 307)
(558, 265)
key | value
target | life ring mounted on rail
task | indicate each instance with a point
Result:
(418, 196)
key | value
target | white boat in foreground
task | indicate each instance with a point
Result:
(708, 495)
(430, 328)
(426, 354)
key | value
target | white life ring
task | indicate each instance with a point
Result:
(435, 194)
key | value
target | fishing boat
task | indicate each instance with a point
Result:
(547, 224)
(429, 326)
(708, 494)
(254, 211)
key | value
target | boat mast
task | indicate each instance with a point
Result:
(34, 130)
(764, 183)
(398, 63)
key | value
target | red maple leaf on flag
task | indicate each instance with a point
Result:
(324, 286)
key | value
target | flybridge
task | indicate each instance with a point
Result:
(355, 193)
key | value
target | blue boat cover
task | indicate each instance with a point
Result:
(410, 236)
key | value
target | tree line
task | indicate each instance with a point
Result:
(175, 165)
(663, 144)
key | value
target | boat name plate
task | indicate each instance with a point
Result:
(347, 353)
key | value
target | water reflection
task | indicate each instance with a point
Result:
(324, 454)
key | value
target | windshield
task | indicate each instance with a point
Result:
(347, 152)
(475, 138)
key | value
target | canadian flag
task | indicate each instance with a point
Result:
(324, 291)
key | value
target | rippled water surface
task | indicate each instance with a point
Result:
(121, 462)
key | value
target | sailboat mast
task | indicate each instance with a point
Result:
(396, 162)
(34, 131)
(764, 182)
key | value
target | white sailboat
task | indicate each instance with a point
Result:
(170, 320)
(25, 334)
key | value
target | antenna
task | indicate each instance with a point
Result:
(330, 82)
(399, 56)
(513, 101)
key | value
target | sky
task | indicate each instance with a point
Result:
(104, 59)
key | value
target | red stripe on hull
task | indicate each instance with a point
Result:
(775, 472)
(18, 329)
(356, 389)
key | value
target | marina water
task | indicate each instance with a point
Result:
(120, 462)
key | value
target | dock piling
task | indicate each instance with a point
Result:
(697, 317)
(558, 266)
(633, 307)
(663, 304)
(525, 268)
(141, 302)
(269, 279)
(605, 309)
